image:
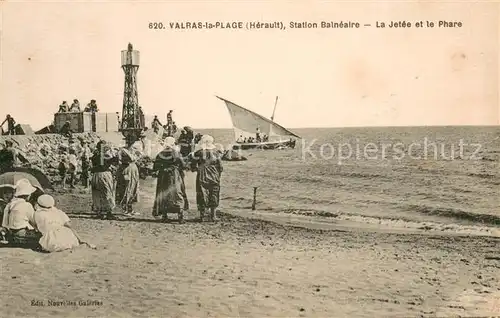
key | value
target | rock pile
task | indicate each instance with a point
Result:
(44, 152)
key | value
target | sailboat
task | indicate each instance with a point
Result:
(246, 124)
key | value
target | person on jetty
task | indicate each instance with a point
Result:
(19, 216)
(127, 178)
(174, 128)
(91, 107)
(156, 124)
(102, 184)
(63, 108)
(66, 130)
(11, 124)
(54, 226)
(75, 107)
(10, 157)
(170, 191)
(207, 162)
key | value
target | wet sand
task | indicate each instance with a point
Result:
(250, 268)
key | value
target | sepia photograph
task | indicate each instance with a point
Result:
(249, 159)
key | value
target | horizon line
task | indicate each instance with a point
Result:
(380, 126)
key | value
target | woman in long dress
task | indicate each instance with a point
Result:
(170, 183)
(206, 161)
(55, 227)
(103, 195)
(127, 179)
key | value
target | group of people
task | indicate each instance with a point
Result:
(75, 107)
(31, 219)
(170, 128)
(259, 137)
(115, 179)
(249, 140)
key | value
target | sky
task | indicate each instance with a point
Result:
(55, 51)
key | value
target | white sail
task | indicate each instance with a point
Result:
(246, 122)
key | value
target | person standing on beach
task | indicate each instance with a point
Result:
(170, 191)
(127, 179)
(206, 161)
(102, 184)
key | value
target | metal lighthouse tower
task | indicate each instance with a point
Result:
(131, 125)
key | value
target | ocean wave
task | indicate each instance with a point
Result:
(455, 214)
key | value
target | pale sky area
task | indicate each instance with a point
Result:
(54, 51)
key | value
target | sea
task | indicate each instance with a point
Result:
(434, 177)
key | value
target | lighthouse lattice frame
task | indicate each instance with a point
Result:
(131, 124)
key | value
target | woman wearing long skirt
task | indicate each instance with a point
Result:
(127, 179)
(102, 184)
(170, 183)
(206, 161)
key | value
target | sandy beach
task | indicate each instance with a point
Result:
(246, 267)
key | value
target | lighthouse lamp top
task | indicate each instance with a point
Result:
(130, 56)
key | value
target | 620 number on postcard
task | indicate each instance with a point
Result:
(156, 25)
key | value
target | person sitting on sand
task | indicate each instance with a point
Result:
(207, 162)
(18, 216)
(240, 139)
(54, 225)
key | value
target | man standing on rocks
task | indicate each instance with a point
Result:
(169, 123)
(156, 124)
(11, 124)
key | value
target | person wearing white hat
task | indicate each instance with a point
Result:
(18, 215)
(170, 189)
(207, 162)
(54, 225)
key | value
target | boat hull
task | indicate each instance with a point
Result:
(270, 145)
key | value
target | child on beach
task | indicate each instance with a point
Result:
(54, 225)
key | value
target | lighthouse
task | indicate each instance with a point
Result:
(132, 124)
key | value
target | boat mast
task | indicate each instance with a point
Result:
(274, 110)
(272, 117)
